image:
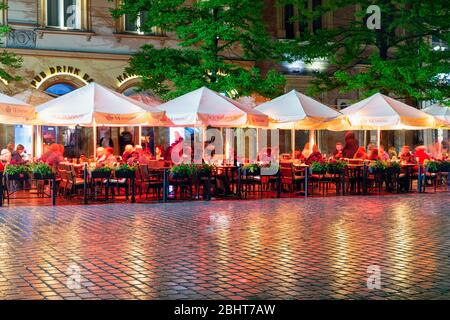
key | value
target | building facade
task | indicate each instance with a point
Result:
(66, 44)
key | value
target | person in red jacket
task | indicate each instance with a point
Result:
(421, 154)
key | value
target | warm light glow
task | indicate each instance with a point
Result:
(61, 74)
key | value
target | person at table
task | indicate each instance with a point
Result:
(109, 159)
(382, 154)
(306, 151)
(421, 154)
(159, 150)
(373, 155)
(100, 154)
(5, 154)
(17, 156)
(53, 156)
(406, 156)
(128, 153)
(392, 153)
(370, 147)
(360, 154)
(315, 156)
(351, 145)
(106, 140)
(337, 153)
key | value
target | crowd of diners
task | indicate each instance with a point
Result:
(137, 154)
(352, 150)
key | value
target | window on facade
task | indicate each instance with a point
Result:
(64, 14)
(288, 23)
(135, 25)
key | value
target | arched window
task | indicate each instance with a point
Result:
(59, 89)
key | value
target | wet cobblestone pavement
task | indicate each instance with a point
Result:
(318, 248)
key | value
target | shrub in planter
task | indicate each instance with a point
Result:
(17, 172)
(378, 166)
(101, 172)
(318, 167)
(336, 166)
(432, 166)
(42, 171)
(182, 171)
(251, 169)
(394, 166)
(444, 166)
(125, 171)
(204, 170)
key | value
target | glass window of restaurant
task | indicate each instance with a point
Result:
(75, 139)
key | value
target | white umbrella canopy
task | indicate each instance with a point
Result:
(439, 111)
(96, 105)
(14, 111)
(33, 97)
(204, 107)
(146, 99)
(295, 110)
(380, 112)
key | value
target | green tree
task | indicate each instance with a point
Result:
(397, 58)
(214, 37)
(8, 61)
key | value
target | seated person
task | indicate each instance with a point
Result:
(382, 154)
(128, 153)
(17, 156)
(100, 154)
(405, 156)
(421, 154)
(360, 154)
(108, 158)
(159, 153)
(373, 155)
(337, 153)
(392, 153)
(315, 156)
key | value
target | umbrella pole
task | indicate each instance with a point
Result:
(203, 141)
(312, 139)
(140, 135)
(378, 138)
(94, 128)
(33, 140)
(38, 141)
(257, 142)
(293, 142)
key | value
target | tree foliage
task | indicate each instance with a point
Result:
(8, 61)
(215, 36)
(398, 58)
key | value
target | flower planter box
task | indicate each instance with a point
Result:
(101, 174)
(125, 174)
(18, 177)
(39, 176)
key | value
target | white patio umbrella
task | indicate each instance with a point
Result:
(34, 97)
(439, 111)
(148, 100)
(95, 105)
(297, 111)
(204, 107)
(14, 111)
(380, 112)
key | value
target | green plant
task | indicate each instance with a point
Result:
(102, 169)
(395, 165)
(378, 165)
(182, 170)
(42, 169)
(432, 166)
(336, 166)
(251, 168)
(12, 170)
(318, 167)
(204, 169)
(125, 167)
(444, 166)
